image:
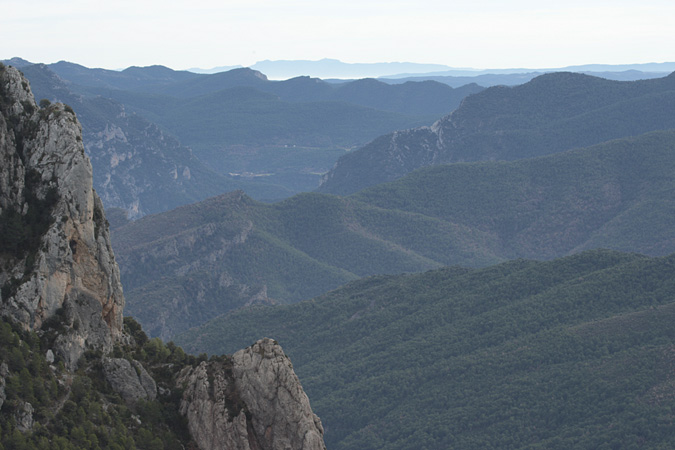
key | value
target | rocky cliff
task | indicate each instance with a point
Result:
(251, 401)
(56, 254)
(62, 302)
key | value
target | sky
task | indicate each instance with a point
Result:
(459, 33)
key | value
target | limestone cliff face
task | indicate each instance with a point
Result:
(65, 264)
(58, 274)
(251, 401)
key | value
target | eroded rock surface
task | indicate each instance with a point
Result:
(251, 401)
(129, 379)
(24, 417)
(67, 266)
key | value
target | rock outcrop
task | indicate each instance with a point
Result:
(61, 260)
(4, 371)
(59, 278)
(129, 379)
(251, 401)
(24, 417)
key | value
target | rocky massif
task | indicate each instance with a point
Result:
(65, 350)
(57, 258)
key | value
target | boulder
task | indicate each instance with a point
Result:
(129, 379)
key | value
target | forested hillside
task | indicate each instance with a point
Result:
(552, 113)
(183, 267)
(571, 353)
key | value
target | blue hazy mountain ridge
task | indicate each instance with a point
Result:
(551, 113)
(234, 251)
(270, 138)
(331, 68)
(280, 135)
(492, 79)
(131, 78)
(344, 116)
(427, 96)
(661, 68)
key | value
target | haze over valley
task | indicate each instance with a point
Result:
(456, 220)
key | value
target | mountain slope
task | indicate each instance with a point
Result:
(132, 78)
(229, 251)
(571, 353)
(553, 205)
(550, 114)
(246, 109)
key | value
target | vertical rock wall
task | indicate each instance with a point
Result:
(69, 267)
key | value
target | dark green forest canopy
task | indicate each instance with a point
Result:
(571, 353)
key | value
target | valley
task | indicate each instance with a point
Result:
(161, 138)
(509, 270)
(232, 249)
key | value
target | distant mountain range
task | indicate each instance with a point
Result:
(160, 138)
(551, 113)
(338, 71)
(332, 68)
(662, 68)
(514, 79)
(183, 267)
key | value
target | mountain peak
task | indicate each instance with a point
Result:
(247, 71)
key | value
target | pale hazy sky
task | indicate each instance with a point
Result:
(458, 33)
